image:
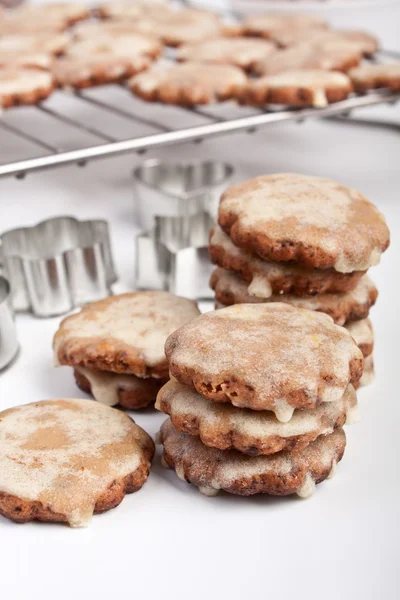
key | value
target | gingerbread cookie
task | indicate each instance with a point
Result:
(266, 278)
(226, 427)
(131, 46)
(298, 87)
(363, 334)
(63, 460)
(372, 76)
(241, 52)
(281, 474)
(311, 220)
(189, 84)
(123, 334)
(271, 24)
(49, 43)
(306, 360)
(134, 10)
(112, 389)
(19, 86)
(347, 306)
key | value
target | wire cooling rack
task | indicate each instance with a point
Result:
(87, 117)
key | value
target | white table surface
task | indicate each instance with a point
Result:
(168, 541)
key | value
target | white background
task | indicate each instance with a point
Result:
(169, 541)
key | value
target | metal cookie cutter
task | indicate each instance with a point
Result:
(8, 335)
(57, 265)
(176, 206)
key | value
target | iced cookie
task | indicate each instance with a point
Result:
(342, 307)
(252, 432)
(19, 86)
(266, 278)
(265, 357)
(298, 87)
(131, 46)
(363, 334)
(49, 43)
(63, 460)
(123, 334)
(189, 84)
(270, 24)
(372, 76)
(311, 220)
(361, 42)
(241, 52)
(35, 60)
(281, 474)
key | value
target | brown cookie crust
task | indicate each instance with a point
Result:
(42, 85)
(281, 474)
(342, 307)
(280, 277)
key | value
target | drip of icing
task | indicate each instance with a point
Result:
(81, 517)
(105, 385)
(260, 287)
(180, 471)
(208, 490)
(333, 470)
(307, 488)
(319, 99)
(283, 411)
(164, 463)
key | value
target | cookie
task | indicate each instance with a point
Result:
(252, 432)
(123, 334)
(281, 474)
(360, 41)
(368, 375)
(265, 357)
(63, 13)
(298, 87)
(64, 460)
(36, 60)
(23, 86)
(189, 84)
(107, 29)
(311, 220)
(241, 52)
(126, 45)
(266, 278)
(308, 56)
(74, 71)
(270, 24)
(49, 43)
(12, 22)
(363, 334)
(134, 10)
(111, 389)
(372, 76)
(347, 306)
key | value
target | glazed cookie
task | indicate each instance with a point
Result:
(281, 474)
(265, 357)
(63, 460)
(49, 43)
(311, 220)
(107, 29)
(19, 86)
(372, 76)
(271, 24)
(363, 334)
(189, 84)
(241, 52)
(298, 87)
(134, 10)
(361, 42)
(308, 56)
(347, 306)
(131, 46)
(123, 334)
(36, 60)
(64, 13)
(252, 432)
(266, 278)
(111, 389)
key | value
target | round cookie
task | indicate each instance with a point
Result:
(311, 220)
(347, 306)
(241, 52)
(270, 24)
(266, 278)
(265, 357)
(298, 87)
(254, 433)
(24, 86)
(126, 45)
(63, 460)
(112, 389)
(50, 43)
(281, 474)
(189, 84)
(372, 76)
(134, 10)
(363, 334)
(124, 333)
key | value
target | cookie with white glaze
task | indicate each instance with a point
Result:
(45, 42)
(65, 460)
(32, 60)
(363, 334)
(298, 87)
(252, 432)
(124, 333)
(132, 45)
(360, 41)
(270, 25)
(342, 307)
(311, 220)
(373, 76)
(280, 474)
(265, 357)
(189, 84)
(24, 86)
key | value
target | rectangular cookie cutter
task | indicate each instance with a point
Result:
(8, 334)
(57, 265)
(176, 206)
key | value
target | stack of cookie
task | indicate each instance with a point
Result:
(305, 241)
(257, 400)
(116, 345)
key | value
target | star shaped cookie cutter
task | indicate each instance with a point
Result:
(57, 265)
